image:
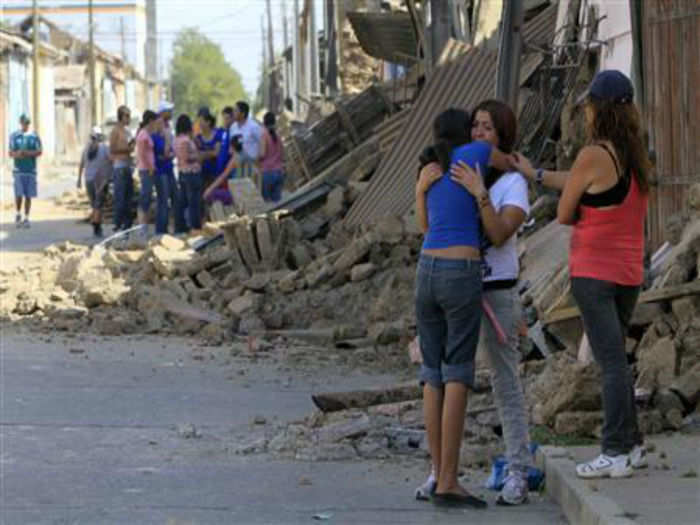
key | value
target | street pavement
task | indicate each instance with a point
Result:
(90, 435)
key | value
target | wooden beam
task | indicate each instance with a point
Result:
(650, 296)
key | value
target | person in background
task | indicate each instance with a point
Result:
(604, 196)
(271, 160)
(121, 147)
(97, 166)
(162, 153)
(225, 149)
(202, 112)
(209, 144)
(448, 297)
(164, 141)
(218, 188)
(250, 133)
(146, 161)
(190, 171)
(25, 147)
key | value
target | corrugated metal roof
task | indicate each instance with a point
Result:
(461, 83)
(387, 36)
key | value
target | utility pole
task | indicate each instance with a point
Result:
(509, 49)
(331, 52)
(265, 81)
(123, 37)
(273, 84)
(35, 68)
(91, 66)
(285, 37)
(440, 26)
(339, 21)
(296, 87)
(313, 49)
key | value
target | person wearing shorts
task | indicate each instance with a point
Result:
(97, 166)
(25, 147)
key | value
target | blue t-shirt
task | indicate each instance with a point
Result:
(25, 141)
(163, 166)
(209, 165)
(224, 154)
(453, 219)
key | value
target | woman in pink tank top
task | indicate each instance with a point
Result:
(604, 197)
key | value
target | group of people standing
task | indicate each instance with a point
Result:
(203, 155)
(471, 199)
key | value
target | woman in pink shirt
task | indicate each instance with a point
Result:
(146, 162)
(271, 155)
(190, 171)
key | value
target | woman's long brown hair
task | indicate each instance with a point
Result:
(621, 125)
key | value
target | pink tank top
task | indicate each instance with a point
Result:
(272, 161)
(608, 244)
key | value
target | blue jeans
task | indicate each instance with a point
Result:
(123, 195)
(606, 309)
(448, 316)
(272, 184)
(191, 197)
(160, 182)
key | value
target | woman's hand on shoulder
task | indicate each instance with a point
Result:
(428, 175)
(521, 163)
(470, 179)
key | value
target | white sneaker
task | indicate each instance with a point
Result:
(427, 489)
(638, 457)
(605, 467)
(25, 223)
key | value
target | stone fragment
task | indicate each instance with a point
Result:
(172, 243)
(242, 304)
(320, 276)
(354, 253)
(657, 365)
(687, 386)
(650, 422)
(258, 282)
(578, 423)
(26, 304)
(250, 324)
(390, 229)
(335, 203)
(645, 314)
(288, 283)
(205, 279)
(337, 431)
(167, 262)
(361, 272)
(188, 431)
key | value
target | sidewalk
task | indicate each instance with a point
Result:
(667, 492)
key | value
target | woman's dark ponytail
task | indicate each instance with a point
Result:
(148, 117)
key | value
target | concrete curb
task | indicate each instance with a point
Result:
(580, 504)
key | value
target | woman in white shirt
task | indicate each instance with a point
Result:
(503, 206)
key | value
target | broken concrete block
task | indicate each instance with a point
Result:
(250, 324)
(172, 243)
(299, 256)
(578, 423)
(657, 365)
(320, 276)
(205, 279)
(362, 272)
(337, 431)
(258, 282)
(335, 203)
(354, 253)
(685, 309)
(288, 283)
(390, 229)
(645, 314)
(650, 422)
(167, 263)
(242, 304)
(26, 304)
(246, 243)
(687, 386)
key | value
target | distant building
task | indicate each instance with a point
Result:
(127, 29)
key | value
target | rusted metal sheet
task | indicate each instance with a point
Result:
(387, 36)
(461, 83)
(671, 39)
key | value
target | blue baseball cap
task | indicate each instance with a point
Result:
(610, 85)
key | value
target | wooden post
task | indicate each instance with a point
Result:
(35, 67)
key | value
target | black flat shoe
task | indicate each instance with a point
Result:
(449, 499)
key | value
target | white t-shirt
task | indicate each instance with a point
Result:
(251, 133)
(501, 263)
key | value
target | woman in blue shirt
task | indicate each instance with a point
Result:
(448, 296)
(209, 143)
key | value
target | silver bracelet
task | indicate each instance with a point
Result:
(539, 175)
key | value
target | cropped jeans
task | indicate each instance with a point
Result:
(448, 316)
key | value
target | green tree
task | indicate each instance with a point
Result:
(201, 76)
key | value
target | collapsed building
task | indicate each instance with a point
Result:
(333, 265)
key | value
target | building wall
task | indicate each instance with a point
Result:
(72, 16)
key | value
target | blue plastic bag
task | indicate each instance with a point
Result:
(499, 470)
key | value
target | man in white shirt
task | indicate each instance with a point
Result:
(251, 134)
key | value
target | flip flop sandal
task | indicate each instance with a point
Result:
(458, 500)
